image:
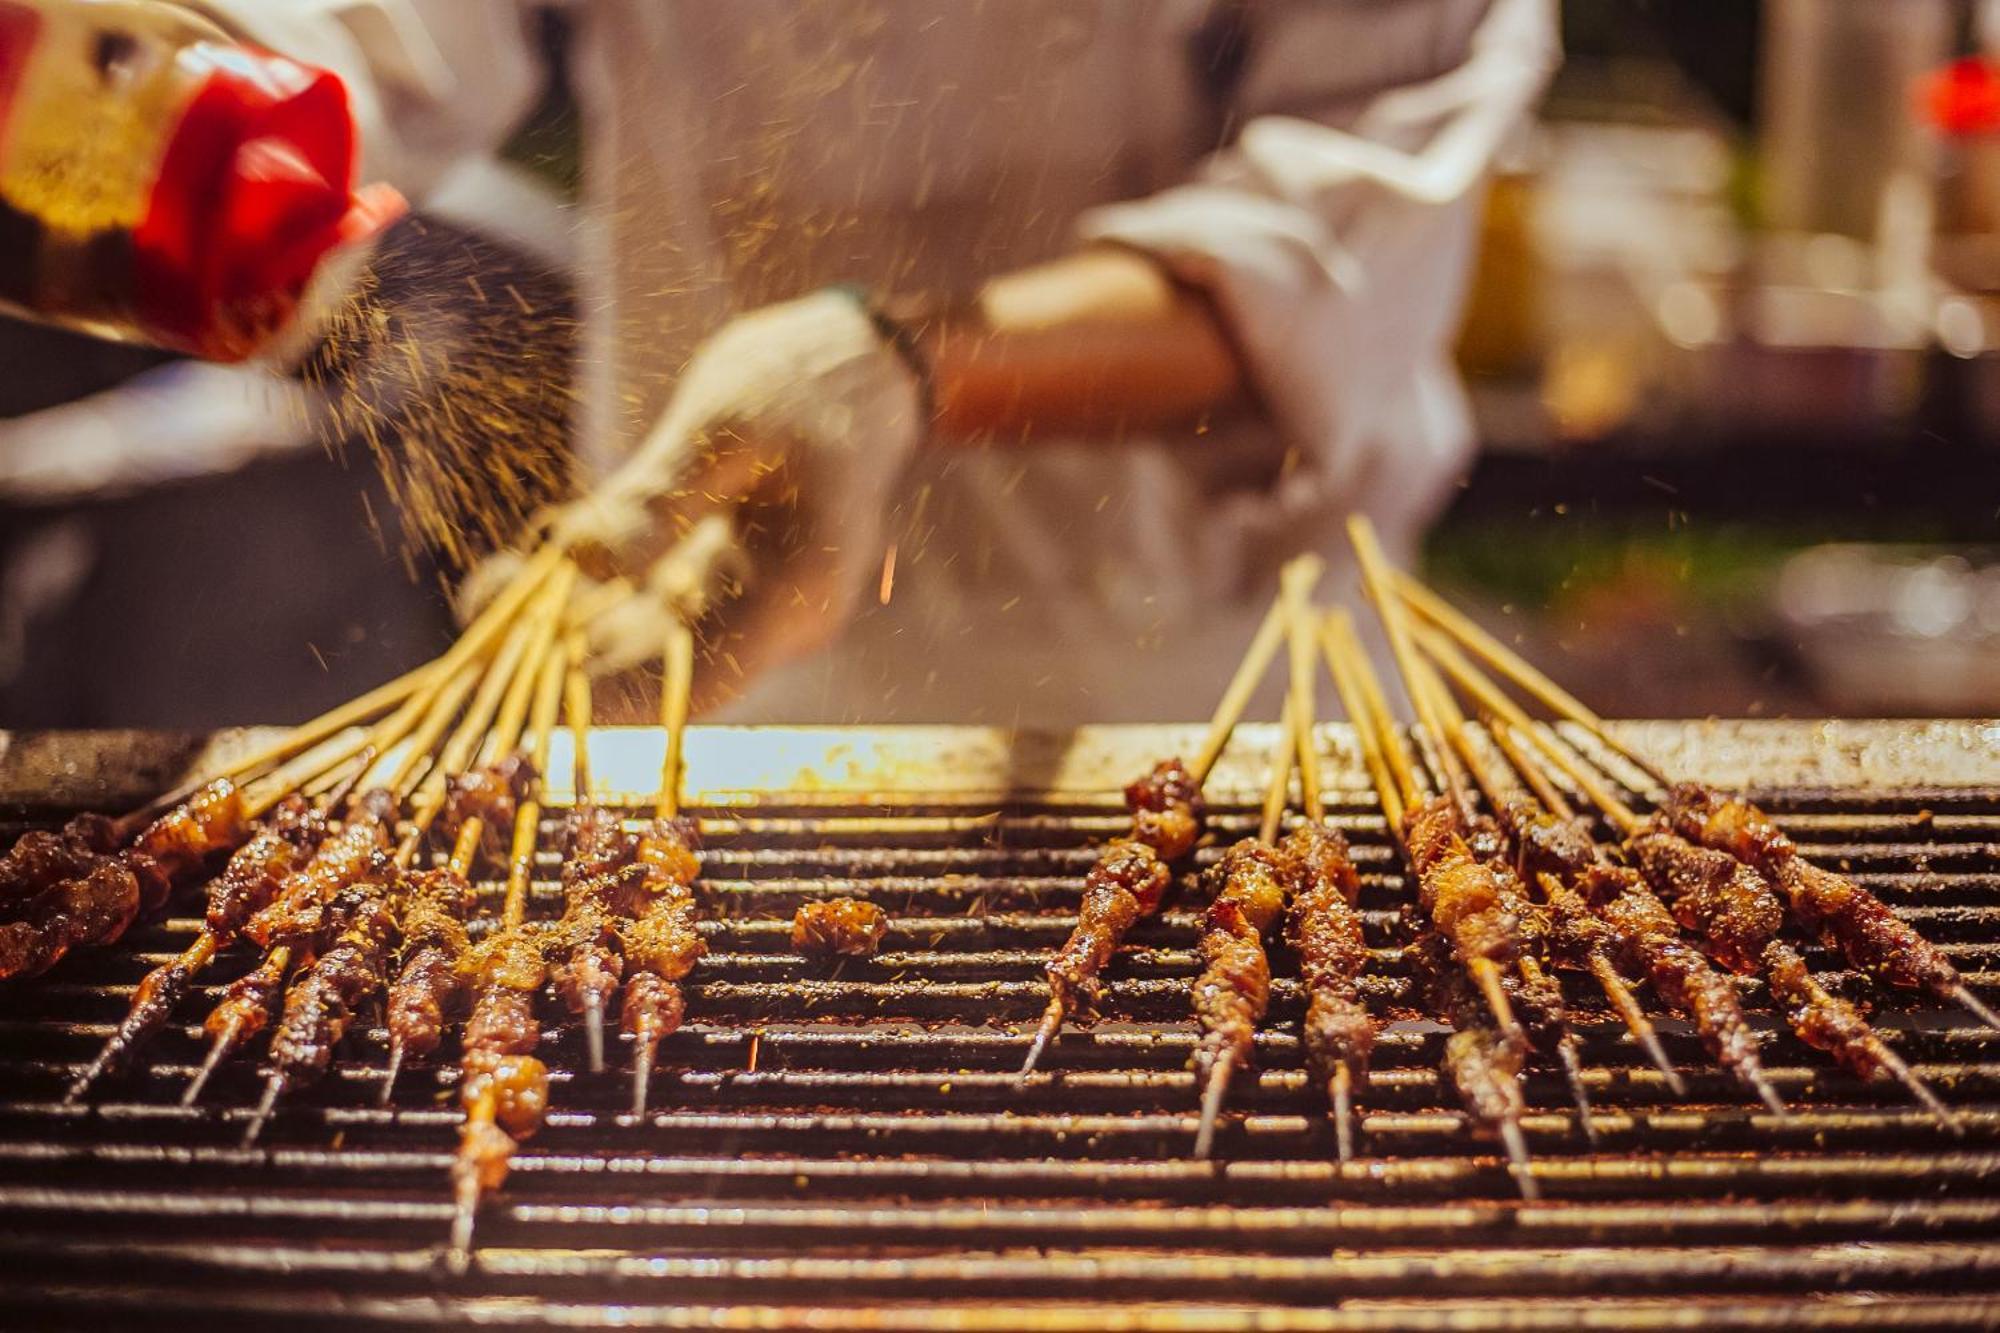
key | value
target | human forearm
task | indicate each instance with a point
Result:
(1099, 340)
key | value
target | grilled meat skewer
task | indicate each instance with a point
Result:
(1866, 929)
(660, 944)
(428, 991)
(293, 921)
(1462, 898)
(1250, 886)
(1530, 986)
(1736, 911)
(1645, 941)
(1482, 1063)
(281, 844)
(1128, 881)
(354, 968)
(599, 895)
(43, 858)
(323, 999)
(98, 904)
(431, 907)
(1324, 930)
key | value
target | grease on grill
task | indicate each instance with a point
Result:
(838, 928)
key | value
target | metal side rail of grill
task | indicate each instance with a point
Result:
(849, 1146)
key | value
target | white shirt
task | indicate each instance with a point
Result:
(743, 152)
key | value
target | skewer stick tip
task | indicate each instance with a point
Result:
(643, 1054)
(1343, 1112)
(1649, 1040)
(466, 1196)
(274, 1087)
(1572, 1068)
(1767, 1094)
(218, 1050)
(1919, 1089)
(1636, 1022)
(1052, 1021)
(1212, 1094)
(388, 1093)
(79, 1087)
(1975, 1006)
(1519, 1165)
(593, 1031)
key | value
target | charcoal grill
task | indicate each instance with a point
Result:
(850, 1148)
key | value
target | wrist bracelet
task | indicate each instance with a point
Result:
(904, 340)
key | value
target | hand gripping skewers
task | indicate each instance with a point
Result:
(1726, 902)
(1133, 873)
(1484, 1054)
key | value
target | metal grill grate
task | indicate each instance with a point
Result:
(851, 1147)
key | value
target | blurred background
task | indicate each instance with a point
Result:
(1734, 348)
(1735, 353)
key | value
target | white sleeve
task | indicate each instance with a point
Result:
(432, 82)
(1338, 257)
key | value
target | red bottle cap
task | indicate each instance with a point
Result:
(255, 189)
(1962, 98)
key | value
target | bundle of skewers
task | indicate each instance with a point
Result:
(1511, 887)
(341, 860)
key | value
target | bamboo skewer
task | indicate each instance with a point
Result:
(1337, 643)
(1250, 672)
(1336, 634)
(1374, 572)
(1264, 645)
(676, 687)
(1450, 749)
(1350, 664)
(476, 640)
(1490, 698)
(543, 713)
(1614, 986)
(577, 706)
(1276, 790)
(492, 727)
(1628, 822)
(433, 693)
(1375, 575)
(1516, 668)
(477, 724)
(1296, 585)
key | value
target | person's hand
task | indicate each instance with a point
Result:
(784, 436)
